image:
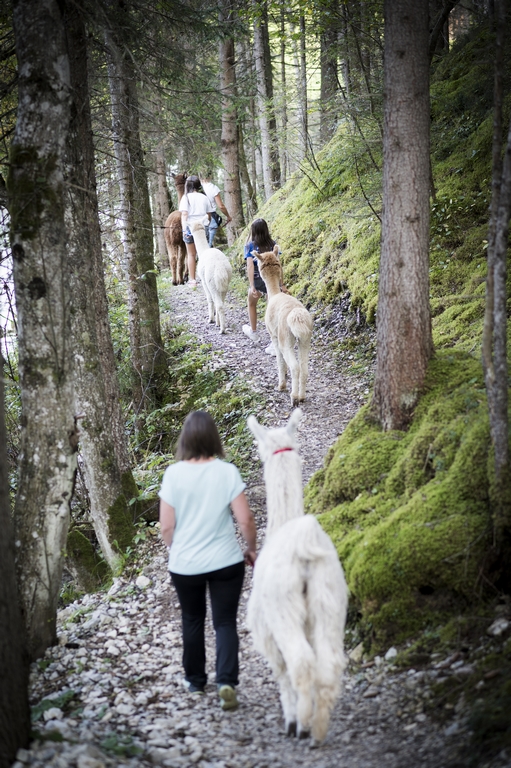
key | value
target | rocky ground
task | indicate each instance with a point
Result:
(112, 689)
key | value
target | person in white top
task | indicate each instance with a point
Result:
(194, 206)
(197, 496)
(213, 194)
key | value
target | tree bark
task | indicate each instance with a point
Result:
(267, 124)
(229, 139)
(329, 79)
(494, 348)
(14, 709)
(148, 357)
(41, 278)
(404, 343)
(109, 485)
(162, 204)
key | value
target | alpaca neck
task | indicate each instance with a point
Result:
(201, 243)
(272, 285)
(180, 189)
(284, 495)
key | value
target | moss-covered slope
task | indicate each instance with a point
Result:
(410, 513)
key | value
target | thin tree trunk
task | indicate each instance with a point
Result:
(494, 348)
(40, 257)
(148, 356)
(111, 515)
(162, 204)
(230, 158)
(404, 344)
(267, 125)
(329, 79)
(14, 708)
(245, 178)
(284, 159)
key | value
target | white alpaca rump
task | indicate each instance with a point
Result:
(287, 321)
(215, 272)
(297, 608)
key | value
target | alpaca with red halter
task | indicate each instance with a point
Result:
(297, 607)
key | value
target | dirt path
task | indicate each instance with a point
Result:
(118, 663)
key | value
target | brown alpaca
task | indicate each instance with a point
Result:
(173, 232)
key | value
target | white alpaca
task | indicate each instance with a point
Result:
(287, 321)
(215, 272)
(297, 608)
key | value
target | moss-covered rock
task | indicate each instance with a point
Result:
(89, 571)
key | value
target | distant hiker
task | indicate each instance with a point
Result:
(213, 194)
(194, 206)
(196, 498)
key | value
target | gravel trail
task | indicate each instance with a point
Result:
(112, 688)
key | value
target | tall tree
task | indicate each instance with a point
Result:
(329, 74)
(14, 709)
(40, 257)
(230, 154)
(495, 321)
(148, 357)
(267, 123)
(109, 484)
(162, 205)
(404, 343)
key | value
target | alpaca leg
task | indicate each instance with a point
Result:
(220, 315)
(303, 361)
(288, 697)
(173, 265)
(324, 702)
(292, 363)
(209, 297)
(181, 258)
(281, 365)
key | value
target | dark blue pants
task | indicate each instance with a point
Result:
(224, 590)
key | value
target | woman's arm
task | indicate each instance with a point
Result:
(245, 520)
(250, 275)
(220, 204)
(167, 522)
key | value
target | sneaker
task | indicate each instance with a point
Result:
(192, 283)
(191, 688)
(270, 349)
(252, 335)
(228, 699)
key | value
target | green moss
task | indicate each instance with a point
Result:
(409, 520)
(88, 569)
(120, 523)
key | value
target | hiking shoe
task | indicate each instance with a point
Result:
(191, 688)
(252, 335)
(270, 349)
(228, 699)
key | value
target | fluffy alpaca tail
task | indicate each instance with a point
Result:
(299, 321)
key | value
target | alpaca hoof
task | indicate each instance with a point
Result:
(282, 387)
(304, 734)
(291, 729)
(175, 282)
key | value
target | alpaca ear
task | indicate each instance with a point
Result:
(257, 429)
(276, 250)
(294, 420)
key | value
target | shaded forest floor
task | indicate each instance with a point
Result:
(112, 690)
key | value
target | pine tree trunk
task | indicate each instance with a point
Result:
(41, 278)
(404, 344)
(107, 482)
(230, 157)
(148, 357)
(162, 204)
(328, 83)
(284, 153)
(267, 125)
(14, 709)
(494, 347)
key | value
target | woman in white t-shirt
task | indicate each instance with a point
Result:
(194, 206)
(196, 498)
